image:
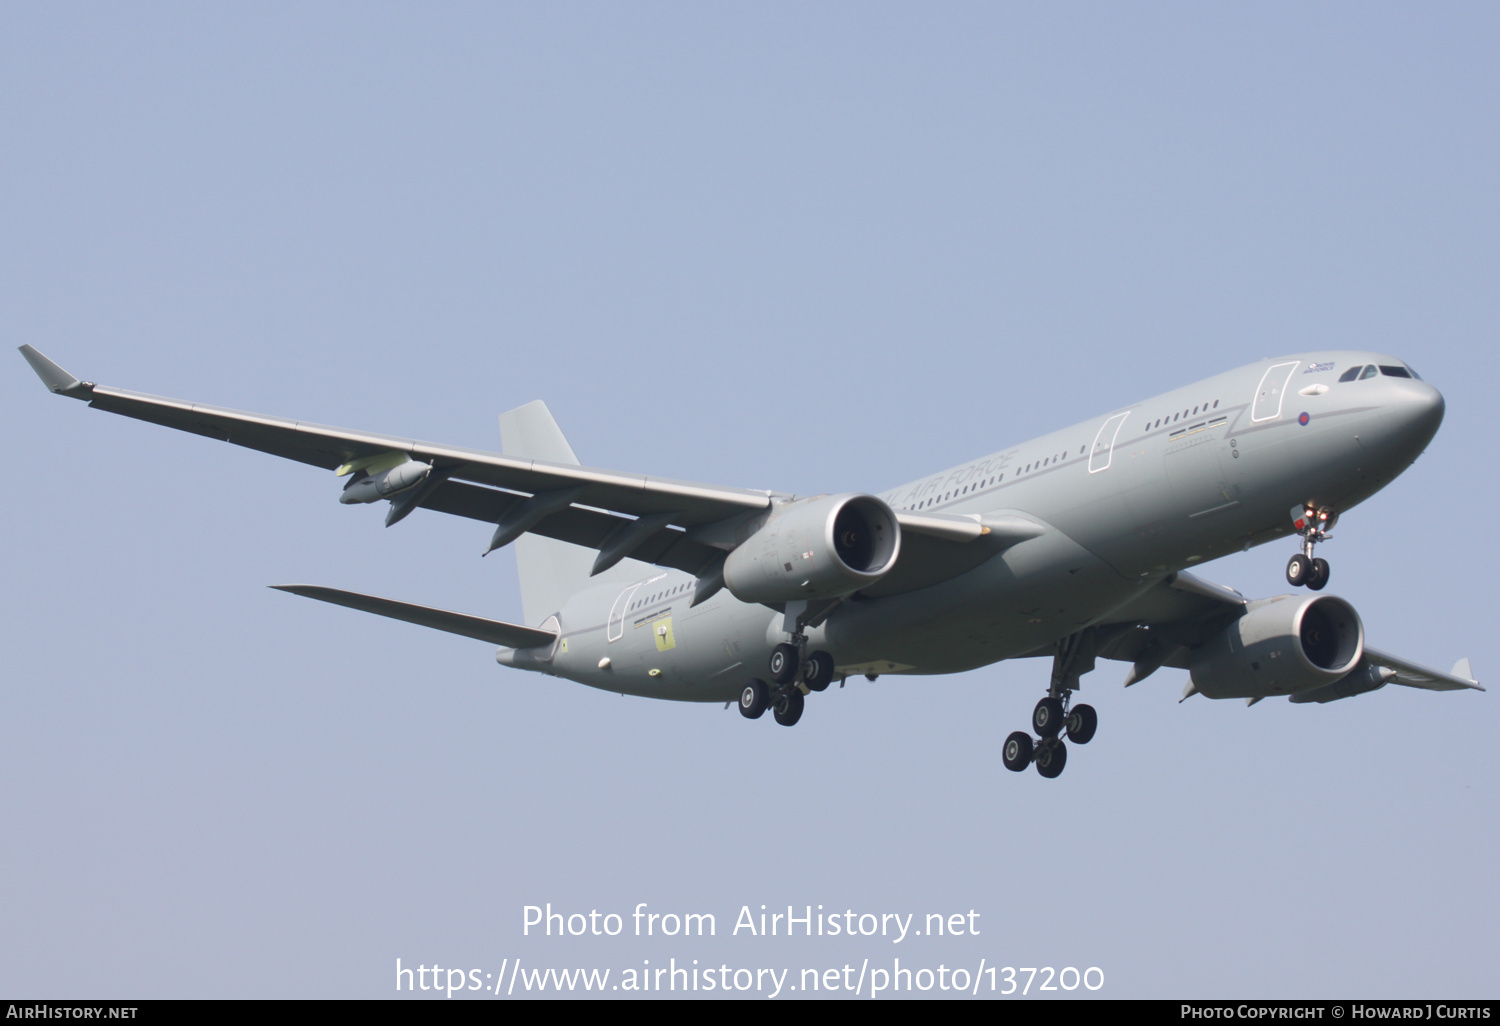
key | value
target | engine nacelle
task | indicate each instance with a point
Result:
(819, 548)
(1281, 646)
(384, 484)
(1366, 678)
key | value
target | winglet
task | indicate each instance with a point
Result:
(55, 378)
(1461, 669)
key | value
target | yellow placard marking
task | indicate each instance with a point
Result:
(662, 630)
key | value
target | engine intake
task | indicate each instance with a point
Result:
(1281, 646)
(825, 547)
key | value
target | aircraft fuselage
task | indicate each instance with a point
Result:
(1126, 499)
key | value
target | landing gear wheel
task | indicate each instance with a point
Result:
(788, 708)
(1298, 569)
(754, 698)
(1082, 722)
(817, 671)
(1047, 717)
(783, 663)
(1017, 751)
(1318, 575)
(1051, 758)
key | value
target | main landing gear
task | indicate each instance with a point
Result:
(1055, 717)
(793, 677)
(1313, 525)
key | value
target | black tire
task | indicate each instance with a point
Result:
(1050, 759)
(1318, 576)
(754, 698)
(817, 671)
(1298, 570)
(783, 664)
(1017, 751)
(788, 707)
(1047, 717)
(1082, 722)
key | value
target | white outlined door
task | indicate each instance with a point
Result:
(617, 613)
(1272, 390)
(1102, 452)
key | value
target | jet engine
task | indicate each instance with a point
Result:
(1281, 646)
(367, 487)
(824, 547)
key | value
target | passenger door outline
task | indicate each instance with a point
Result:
(616, 626)
(1102, 450)
(1269, 389)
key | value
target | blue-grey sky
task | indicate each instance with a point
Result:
(811, 247)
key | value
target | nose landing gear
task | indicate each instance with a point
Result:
(1313, 525)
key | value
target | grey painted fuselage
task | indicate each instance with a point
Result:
(1125, 499)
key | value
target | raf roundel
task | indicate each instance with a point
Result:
(1303, 420)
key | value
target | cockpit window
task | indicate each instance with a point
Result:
(1414, 372)
(1350, 374)
(1395, 372)
(1370, 372)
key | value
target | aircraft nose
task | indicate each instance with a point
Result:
(1421, 409)
(1427, 407)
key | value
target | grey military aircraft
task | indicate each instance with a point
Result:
(1075, 545)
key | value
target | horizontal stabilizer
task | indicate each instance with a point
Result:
(496, 632)
(1414, 675)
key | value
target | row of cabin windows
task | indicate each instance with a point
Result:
(1039, 464)
(1361, 373)
(1028, 468)
(1153, 425)
(966, 489)
(955, 493)
(650, 600)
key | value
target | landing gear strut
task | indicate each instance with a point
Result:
(795, 673)
(1313, 525)
(1054, 716)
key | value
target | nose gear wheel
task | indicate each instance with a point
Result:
(1312, 524)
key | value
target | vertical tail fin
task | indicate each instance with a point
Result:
(550, 570)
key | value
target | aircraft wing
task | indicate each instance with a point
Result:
(647, 518)
(1414, 675)
(1163, 626)
(330, 448)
